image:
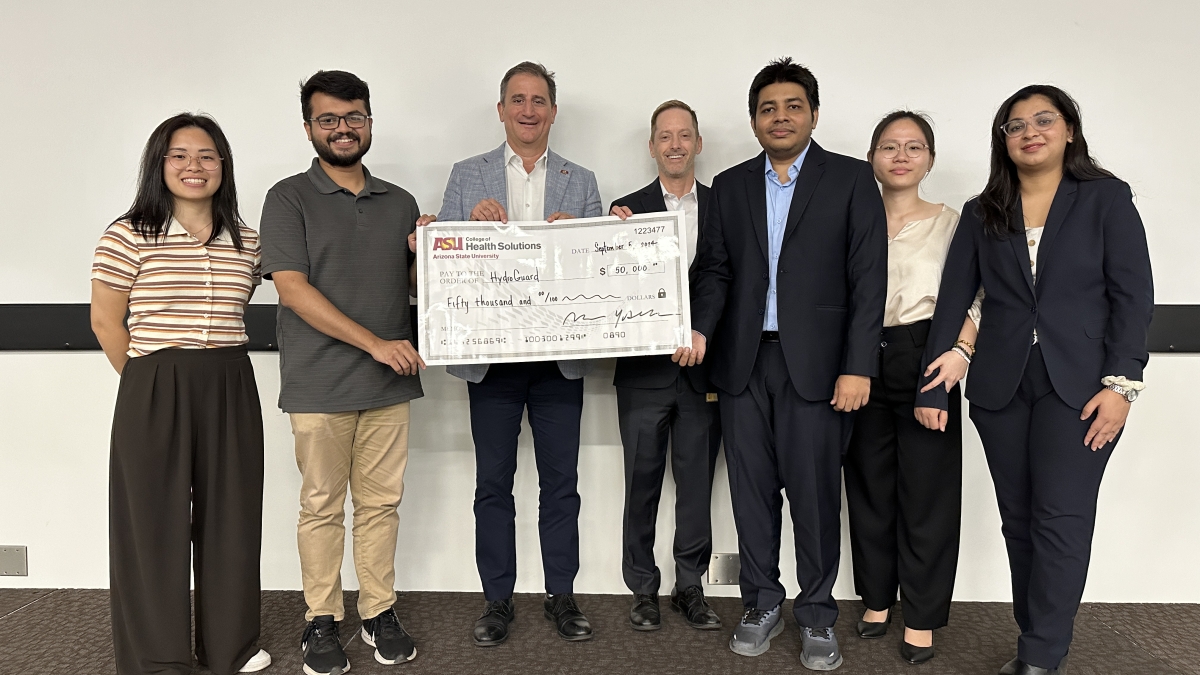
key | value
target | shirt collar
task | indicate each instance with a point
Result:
(793, 170)
(509, 155)
(691, 192)
(176, 227)
(326, 186)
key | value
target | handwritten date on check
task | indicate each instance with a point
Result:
(535, 291)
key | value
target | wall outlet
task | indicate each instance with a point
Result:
(724, 569)
(14, 561)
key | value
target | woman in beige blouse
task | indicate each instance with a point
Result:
(186, 467)
(903, 480)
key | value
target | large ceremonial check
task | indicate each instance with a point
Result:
(571, 289)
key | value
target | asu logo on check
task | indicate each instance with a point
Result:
(447, 243)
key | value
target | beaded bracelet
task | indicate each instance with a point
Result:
(961, 352)
(966, 345)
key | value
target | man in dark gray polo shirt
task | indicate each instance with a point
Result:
(334, 240)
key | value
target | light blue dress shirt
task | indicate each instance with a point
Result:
(779, 202)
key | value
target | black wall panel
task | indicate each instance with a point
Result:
(40, 327)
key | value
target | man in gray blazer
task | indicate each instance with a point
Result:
(524, 180)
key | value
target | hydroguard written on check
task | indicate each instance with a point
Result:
(535, 291)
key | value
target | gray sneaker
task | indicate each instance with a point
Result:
(753, 634)
(820, 649)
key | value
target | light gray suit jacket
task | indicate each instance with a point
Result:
(569, 188)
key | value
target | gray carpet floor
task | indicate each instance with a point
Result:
(67, 632)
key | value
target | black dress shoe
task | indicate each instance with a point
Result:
(1019, 667)
(915, 655)
(690, 603)
(491, 629)
(873, 630)
(572, 625)
(645, 615)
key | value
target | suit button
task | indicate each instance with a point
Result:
(760, 311)
(883, 344)
(782, 271)
(1033, 310)
(766, 276)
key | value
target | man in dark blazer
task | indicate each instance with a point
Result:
(657, 401)
(790, 287)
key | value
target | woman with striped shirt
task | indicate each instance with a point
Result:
(186, 472)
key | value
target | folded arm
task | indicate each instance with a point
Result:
(310, 304)
(866, 274)
(957, 291)
(708, 294)
(108, 310)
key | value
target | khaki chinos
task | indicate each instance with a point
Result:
(367, 449)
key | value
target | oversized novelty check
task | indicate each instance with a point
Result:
(571, 289)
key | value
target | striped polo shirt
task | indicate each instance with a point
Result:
(182, 294)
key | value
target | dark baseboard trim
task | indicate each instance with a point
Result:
(49, 327)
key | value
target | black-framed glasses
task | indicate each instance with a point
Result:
(891, 149)
(1041, 122)
(353, 120)
(182, 160)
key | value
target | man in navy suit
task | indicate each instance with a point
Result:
(790, 289)
(658, 401)
(524, 180)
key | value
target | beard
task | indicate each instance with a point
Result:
(326, 152)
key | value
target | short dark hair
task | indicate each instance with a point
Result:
(923, 122)
(154, 205)
(784, 70)
(336, 83)
(998, 202)
(530, 68)
(673, 104)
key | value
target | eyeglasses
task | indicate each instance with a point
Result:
(182, 160)
(911, 149)
(1041, 122)
(353, 120)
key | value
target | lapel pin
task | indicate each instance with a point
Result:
(564, 172)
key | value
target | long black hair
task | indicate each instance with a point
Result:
(998, 201)
(154, 204)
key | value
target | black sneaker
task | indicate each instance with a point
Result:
(384, 633)
(322, 647)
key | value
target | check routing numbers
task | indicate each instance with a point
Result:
(584, 288)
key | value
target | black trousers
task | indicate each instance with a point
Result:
(555, 405)
(775, 439)
(186, 487)
(904, 490)
(1047, 483)
(649, 418)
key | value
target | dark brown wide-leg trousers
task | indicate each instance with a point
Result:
(186, 487)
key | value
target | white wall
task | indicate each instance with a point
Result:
(84, 83)
(55, 410)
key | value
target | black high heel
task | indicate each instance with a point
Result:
(915, 655)
(873, 630)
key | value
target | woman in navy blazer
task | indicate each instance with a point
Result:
(1061, 253)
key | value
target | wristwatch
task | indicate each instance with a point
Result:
(1130, 394)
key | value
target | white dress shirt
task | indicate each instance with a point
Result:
(690, 205)
(526, 191)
